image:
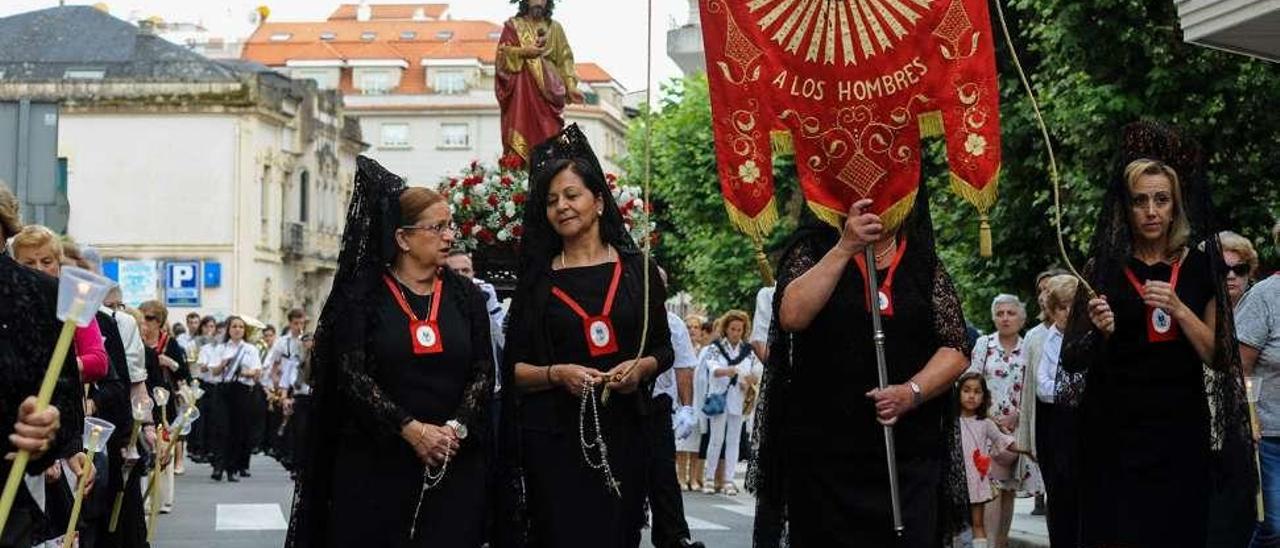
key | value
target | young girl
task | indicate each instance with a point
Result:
(982, 441)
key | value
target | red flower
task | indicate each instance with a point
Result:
(517, 231)
(511, 162)
(485, 235)
(453, 182)
(506, 181)
(493, 200)
(466, 201)
(467, 226)
(518, 198)
(611, 179)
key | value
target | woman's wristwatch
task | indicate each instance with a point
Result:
(917, 395)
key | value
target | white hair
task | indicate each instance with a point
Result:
(1005, 298)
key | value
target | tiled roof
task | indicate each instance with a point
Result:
(592, 73)
(390, 11)
(352, 31)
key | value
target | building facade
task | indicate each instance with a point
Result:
(422, 84)
(178, 166)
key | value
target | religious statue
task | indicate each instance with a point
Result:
(535, 77)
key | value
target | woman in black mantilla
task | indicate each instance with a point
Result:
(1163, 446)
(403, 374)
(575, 327)
(821, 478)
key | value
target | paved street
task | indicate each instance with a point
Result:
(253, 513)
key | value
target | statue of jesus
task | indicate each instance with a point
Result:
(535, 77)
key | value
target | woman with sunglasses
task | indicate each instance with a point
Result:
(1240, 261)
(398, 451)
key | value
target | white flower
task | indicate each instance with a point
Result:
(749, 171)
(481, 188)
(511, 209)
(638, 204)
(457, 198)
(503, 235)
(975, 144)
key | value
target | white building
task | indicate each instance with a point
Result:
(172, 157)
(422, 84)
(1248, 27)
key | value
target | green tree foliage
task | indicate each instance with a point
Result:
(1095, 65)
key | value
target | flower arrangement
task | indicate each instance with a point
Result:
(488, 204)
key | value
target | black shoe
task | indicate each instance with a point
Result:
(231, 477)
(245, 474)
(690, 543)
(217, 475)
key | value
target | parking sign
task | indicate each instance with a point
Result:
(182, 284)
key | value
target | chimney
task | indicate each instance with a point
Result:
(147, 27)
(695, 20)
(363, 11)
(420, 14)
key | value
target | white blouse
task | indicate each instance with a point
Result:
(736, 396)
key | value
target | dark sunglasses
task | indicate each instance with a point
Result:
(1240, 270)
(151, 318)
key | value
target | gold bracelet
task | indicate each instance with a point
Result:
(549, 383)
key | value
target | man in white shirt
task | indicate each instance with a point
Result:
(285, 356)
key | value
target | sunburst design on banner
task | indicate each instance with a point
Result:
(856, 28)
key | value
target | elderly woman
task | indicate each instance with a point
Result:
(398, 453)
(28, 331)
(820, 470)
(576, 327)
(1002, 360)
(1259, 344)
(39, 248)
(1241, 262)
(1149, 463)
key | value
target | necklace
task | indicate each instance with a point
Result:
(602, 463)
(395, 275)
(608, 253)
(429, 481)
(887, 251)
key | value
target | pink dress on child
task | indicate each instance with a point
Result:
(984, 445)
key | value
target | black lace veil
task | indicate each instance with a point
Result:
(921, 268)
(1234, 475)
(368, 245)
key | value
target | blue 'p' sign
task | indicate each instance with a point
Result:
(182, 283)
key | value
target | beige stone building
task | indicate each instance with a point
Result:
(421, 84)
(171, 157)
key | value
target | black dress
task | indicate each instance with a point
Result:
(823, 440)
(569, 504)
(377, 477)
(1145, 423)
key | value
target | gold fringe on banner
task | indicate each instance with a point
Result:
(982, 200)
(782, 143)
(892, 217)
(754, 227)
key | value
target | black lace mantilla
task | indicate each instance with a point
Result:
(342, 362)
(29, 329)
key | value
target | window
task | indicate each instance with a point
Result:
(495, 35)
(455, 136)
(395, 135)
(281, 37)
(304, 196)
(444, 35)
(327, 36)
(449, 81)
(326, 78)
(84, 74)
(264, 201)
(368, 36)
(408, 35)
(374, 82)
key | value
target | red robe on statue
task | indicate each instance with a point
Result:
(532, 92)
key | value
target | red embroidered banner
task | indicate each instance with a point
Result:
(850, 86)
